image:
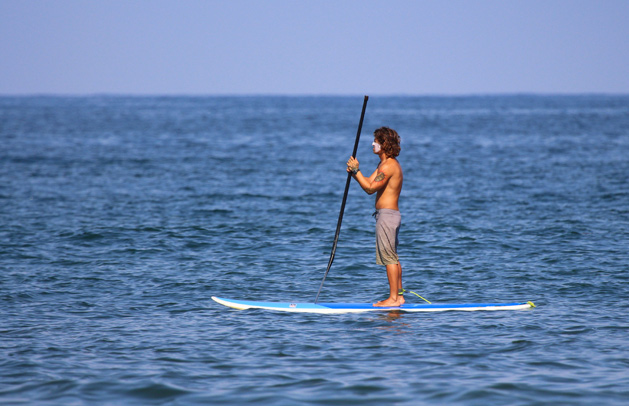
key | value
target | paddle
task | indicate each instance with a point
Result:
(349, 179)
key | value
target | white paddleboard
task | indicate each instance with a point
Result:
(331, 308)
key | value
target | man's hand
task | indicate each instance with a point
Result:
(352, 165)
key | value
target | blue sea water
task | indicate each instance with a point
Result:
(120, 217)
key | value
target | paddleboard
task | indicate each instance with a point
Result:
(332, 308)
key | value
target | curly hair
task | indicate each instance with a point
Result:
(389, 140)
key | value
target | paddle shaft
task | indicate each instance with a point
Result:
(349, 180)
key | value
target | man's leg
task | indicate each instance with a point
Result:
(387, 229)
(394, 274)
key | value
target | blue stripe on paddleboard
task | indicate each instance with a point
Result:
(417, 306)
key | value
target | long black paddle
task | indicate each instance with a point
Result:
(349, 179)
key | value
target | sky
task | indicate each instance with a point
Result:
(313, 47)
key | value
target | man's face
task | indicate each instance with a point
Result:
(376, 146)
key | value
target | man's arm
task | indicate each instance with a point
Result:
(374, 183)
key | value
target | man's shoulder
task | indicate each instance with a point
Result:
(392, 165)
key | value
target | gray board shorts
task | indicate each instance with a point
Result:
(387, 229)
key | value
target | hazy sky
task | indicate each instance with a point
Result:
(313, 46)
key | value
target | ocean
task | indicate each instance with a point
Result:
(120, 218)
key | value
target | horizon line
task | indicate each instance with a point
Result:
(263, 94)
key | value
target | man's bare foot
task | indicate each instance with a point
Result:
(401, 300)
(389, 303)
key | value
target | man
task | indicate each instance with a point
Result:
(386, 182)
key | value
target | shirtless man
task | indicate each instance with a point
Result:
(386, 182)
